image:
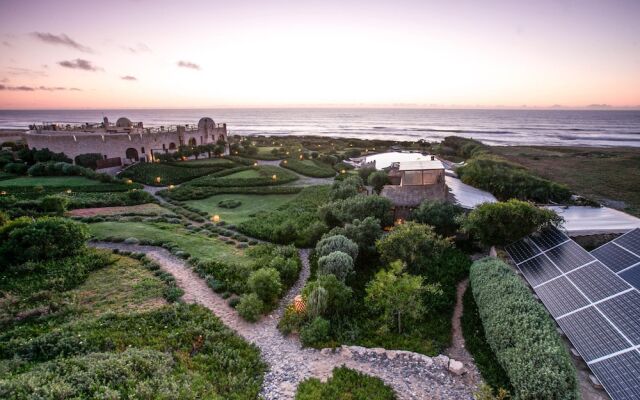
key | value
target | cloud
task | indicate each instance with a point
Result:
(60, 40)
(26, 72)
(33, 89)
(5, 43)
(79, 63)
(187, 64)
(137, 49)
(4, 80)
(129, 78)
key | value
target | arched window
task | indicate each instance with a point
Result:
(131, 154)
(172, 146)
(192, 142)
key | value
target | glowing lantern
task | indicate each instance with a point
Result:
(299, 150)
(129, 181)
(215, 218)
(274, 177)
(68, 191)
(158, 179)
(184, 158)
(299, 304)
(285, 162)
(255, 164)
(399, 221)
(3, 193)
(343, 171)
(287, 153)
(171, 187)
(301, 157)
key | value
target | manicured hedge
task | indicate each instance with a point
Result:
(312, 168)
(169, 174)
(265, 178)
(187, 192)
(521, 334)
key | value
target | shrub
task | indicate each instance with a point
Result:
(55, 204)
(442, 215)
(265, 283)
(16, 168)
(250, 307)
(345, 384)
(337, 263)
(364, 173)
(315, 332)
(503, 222)
(347, 187)
(417, 245)
(521, 334)
(43, 239)
(378, 179)
(88, 160)
(229, 203)
(338, 294)
(333, 243)
(313, 168)
(357, 207)
(317, 302)
(363, 232)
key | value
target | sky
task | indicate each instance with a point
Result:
(241, 53)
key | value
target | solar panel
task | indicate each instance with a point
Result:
(539, 270)
(569, 256)
(548, 238)
(597, 281)
(521, 250)
(561, 297)
(630, 240)
(591, 334)
(620, 375)
(624, 312)
(615, 257)
(632, 275)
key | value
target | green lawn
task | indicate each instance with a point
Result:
(250, 173)
(251, 204)
(195, 244)
(174, 173)
(313, 168)
(44, 181)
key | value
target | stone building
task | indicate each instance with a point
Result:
(123, 142)
(412, 182)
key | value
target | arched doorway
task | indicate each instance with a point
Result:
(131, 154)
(172, 146)
(192, 142)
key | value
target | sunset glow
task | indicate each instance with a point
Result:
(90, 54)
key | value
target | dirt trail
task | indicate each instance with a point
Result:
(411, 375)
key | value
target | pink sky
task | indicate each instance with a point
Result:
(75, 54)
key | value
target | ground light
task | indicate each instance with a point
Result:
(171, 187)
(299, 304)
(215, 218)
(274, 177)
(68, 191)
(129, 181)
(158, 179)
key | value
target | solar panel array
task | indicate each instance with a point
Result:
(593, 297)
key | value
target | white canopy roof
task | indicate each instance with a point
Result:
(420, 165)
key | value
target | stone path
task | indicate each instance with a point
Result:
(411, 375)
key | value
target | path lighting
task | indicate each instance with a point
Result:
(399, 221)
(285, 162)
(301, 157)
(215, 218)
(3, 193)
(129, 181)
(274, 177)
(158, 179)
(299, 304)
(299, 150)
(287, 153)
(171, 187)
(68, 191)
(343, 171)
(255, 164)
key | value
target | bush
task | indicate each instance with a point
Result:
(55, 204)
(337, 263)
(357, 207)
(329, 244)
(229, 203)
(15, 168)
(378, 179)
(504, 222)
(338, 294)
(521, 334)
(88, 160)
(315, 332)
(345, 384)
(43, 239)
(417, 245)
(363, 232)
(364, 173)
(442, 215)
(347, 187)
(250, 307)
(265, 283)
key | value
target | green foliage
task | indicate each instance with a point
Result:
(43, 239)
(364, 233)
(169, 173)
(336, 263)
(416, 245)
(261, 175)
(317, 302)
(461, 147)
(378, 179)
(358, 207)
(397, 296)
(504, 222)
(250, 307)
(284, 259)
(15, 168)
(345, 384)
(506, 181)
(229, 203)
(51, 168)
(186, 192)
(345, 188)
(313, 168)
(329, 244)
(521, 334)
(338, 294)
(265, 282)
(32, 156)
(315, 332)
(364, 173)
(442, 215)
(88, 160)
(55, 204)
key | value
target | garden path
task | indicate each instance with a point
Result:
(411, 375)
(302, 180)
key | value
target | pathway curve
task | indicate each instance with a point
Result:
(411, 375)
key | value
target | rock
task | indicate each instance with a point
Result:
(441, 360)
(392, 354)
(377, 350)
(595, 382)
(326, 351)
(131, 240)
(456, 367)
(344, 350)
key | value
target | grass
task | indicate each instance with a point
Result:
(195, 244)
(262, 175)
(172, 173)
(149, 209)
(55, 181)
(205, 162)
(607, 175)
(312, 168)
(251, 204)
(114, 333)
(345, 384)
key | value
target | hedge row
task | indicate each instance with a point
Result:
(186, 192)
(317, 170)
(521, 334)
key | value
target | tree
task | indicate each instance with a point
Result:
(250, 307)
(398, 296)
(55, 204)
(504, 222)
(338, 294)
(357, 207)
(417, 245)
(265, 283)
(363, 232)
(330, 244)
(442, 215)
(337, 263)
(346, 188)
(88, 160)
(378, 179)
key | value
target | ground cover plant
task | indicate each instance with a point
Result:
(521, 334)
(59, 182)
(296, 221)
(188, 192)
(345, 384)
(148, 209)
(250, 205)
(173, 173)
(312, 168)
(262, 175)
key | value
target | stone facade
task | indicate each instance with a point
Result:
(130, 143)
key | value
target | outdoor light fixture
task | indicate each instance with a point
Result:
(301, 157)
(158, 179)
(343, 171)
(68, 191)
(171, 187)
(274, 177)
(255, 164)
(284, 162)
(3, 193)
(298, 304)
(215, 218)
(129, 181)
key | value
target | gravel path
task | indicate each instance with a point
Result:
(411, 375)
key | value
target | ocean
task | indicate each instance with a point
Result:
(495, 127)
